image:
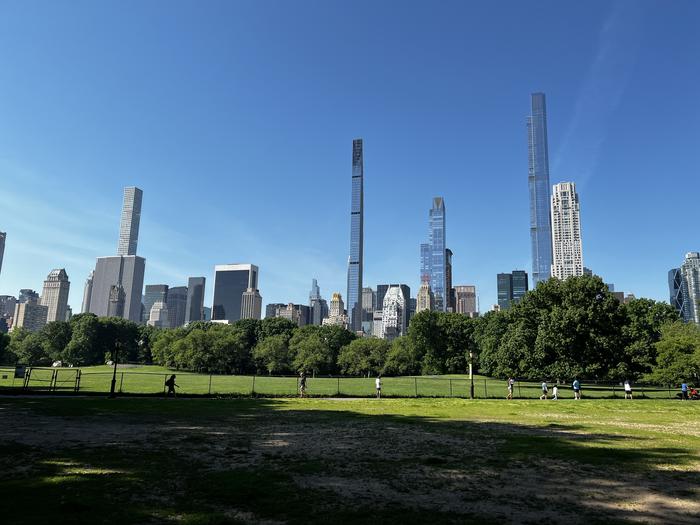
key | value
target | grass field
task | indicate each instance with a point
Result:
(149, 380)
(307, 461)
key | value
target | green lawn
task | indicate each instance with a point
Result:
(150, 379)
(306, 461)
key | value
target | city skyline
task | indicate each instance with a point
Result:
(590, 134)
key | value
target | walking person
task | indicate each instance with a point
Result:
(545, 391)
(555, 392)
(302, 384)
(628, 389)
(170, 384)
(378, 385)
(684, 391)
(510, 388)
(577, 389)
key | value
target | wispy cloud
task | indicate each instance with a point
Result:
(601, 93)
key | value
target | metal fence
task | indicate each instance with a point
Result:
(132, 382)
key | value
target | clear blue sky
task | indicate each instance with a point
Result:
(237, 119)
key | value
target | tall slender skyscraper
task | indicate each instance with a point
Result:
(195, 299)
(434, 255)
(55, 295)
(87, 292)
(678, 291)
(3, 236)
(567, 248)
(317, 305)
(690, 269)
(131, 219)
(538, 181)
(354, 295)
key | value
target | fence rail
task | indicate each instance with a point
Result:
(153, 383)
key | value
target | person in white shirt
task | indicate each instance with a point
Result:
(544, 390)
(555, 392)
(378, 385)
(628, 389)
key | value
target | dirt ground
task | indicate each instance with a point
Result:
(483, 471)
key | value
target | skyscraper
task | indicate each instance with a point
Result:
(30, 315)
(691, 286)
(27, 295)
(153, 293)
(519, 285)
(55, 295)
(394, 313)
(424, 299)
(449, 292)
(337, 316)
(465, 300)
(251, 304)
(131, 219)
(117, 282)
(3, 236)
(567, 249)
(177, 306)
(195, 299)
(504, 282)
(317, 304)
(678, 292)
(434, 255)
(355, 261)
(368, 303)
(538, 182)
(87, 292)
(159, 315)
(231, 281)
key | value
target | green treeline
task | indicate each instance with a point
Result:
(561, 330)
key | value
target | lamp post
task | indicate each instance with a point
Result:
(115, 354)
(471, 375)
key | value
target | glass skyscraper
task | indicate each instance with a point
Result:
(231, 282)
(433, 255)
(678, 292)
(131, 219)
(354, 295)
(538, 181)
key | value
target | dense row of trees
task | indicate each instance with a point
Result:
(561, 330)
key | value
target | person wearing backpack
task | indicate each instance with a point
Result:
(577, 389)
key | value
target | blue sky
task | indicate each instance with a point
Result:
(237, 119)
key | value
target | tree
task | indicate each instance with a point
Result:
(644, 319)
(6, 357)
(311, 353)
(403, 358)
(117, 333)
(55, 337)
(272, 354)
(458, 333)
(427, 338)
(275, 326)
(365, 356)
(82, 348)
(678, 356)
(489, 331)
(28, 348)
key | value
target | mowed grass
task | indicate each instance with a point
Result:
(149, 380)
(192, 461)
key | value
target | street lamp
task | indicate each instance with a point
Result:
(471, 375)
(115, 354)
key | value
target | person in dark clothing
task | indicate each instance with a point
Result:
(302, 384)
(170, 383)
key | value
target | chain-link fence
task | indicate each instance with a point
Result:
(136, 382)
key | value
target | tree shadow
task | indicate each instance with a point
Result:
(230, 461)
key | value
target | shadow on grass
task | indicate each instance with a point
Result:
(241, 461)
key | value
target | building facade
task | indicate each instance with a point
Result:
(465, 300)
(690, 269)
(355, 261)
(231, 281)
(55, 295)
(251, 304)
(30, 315)
(539, 186)
(177, 306)
(27, 295)
(158, 315)
(124, 272)
(394, 314)
(519, 285)
(154, 293)
(87, 292)
(130, 221)
(317, 305)
(677, 293)
(449, 291)
(337, 315)
(567, 247)
(424, 299)
(194, 308)
(504, 284)
(434, 255)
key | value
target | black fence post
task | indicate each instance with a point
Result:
(209, 384)
(486, 390)
(253, 388)
(165, 378)
(415, 385)
(338, 386)
(450, 387)
(520, 394)
(54, 380)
